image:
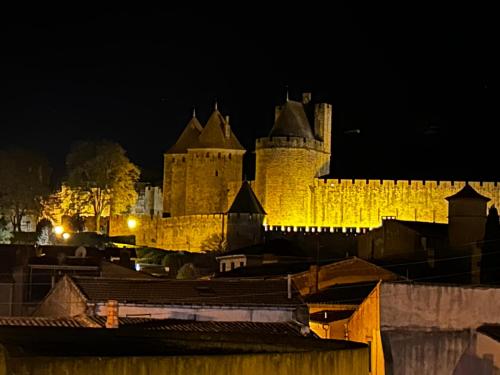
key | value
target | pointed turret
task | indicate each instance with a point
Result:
(217, 134)
(246, 201)
(188, 137)
(292, 122)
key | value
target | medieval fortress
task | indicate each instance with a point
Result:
(206, 204)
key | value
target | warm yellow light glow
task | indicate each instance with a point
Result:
(66, 235)
(132, 223)
(58, 229)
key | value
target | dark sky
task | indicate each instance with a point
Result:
(417, 80)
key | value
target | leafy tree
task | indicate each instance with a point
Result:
(188, 272)
(103, 177)
(5, 233)
(24, 181)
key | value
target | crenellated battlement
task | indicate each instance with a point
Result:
(289, 142)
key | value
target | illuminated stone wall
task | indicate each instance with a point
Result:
(208, 174)
(191, 233)
(200, 181)
(363, 203)
(283, 169)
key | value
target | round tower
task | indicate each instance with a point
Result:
(289, 158)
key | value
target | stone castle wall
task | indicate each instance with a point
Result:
(191, 233)
(363, 203)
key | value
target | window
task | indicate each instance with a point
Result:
(229, 156)
(216, 173)
(232, 265)
(242, 264)
(218, 155)
(223, 265)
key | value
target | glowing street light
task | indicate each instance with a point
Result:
(66, 235)
(58, 229)
(132, 223)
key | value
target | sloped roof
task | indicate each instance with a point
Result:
(212, 135)
(426, 229)
(467, 192)
(188, 137)
(291, 328)
(292, 122)
(190, 292)
(345, 294)
(246, 201)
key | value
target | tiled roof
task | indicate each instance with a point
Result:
(190, 292)
(188, 137)
(77, 322)
(328, 316)
(292, 122)
(178, 325)
(246, 201)
(212, 135)
(344, 294)
(467, 192)
(164, 325)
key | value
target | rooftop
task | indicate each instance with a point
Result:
(190, 292)
(467, 192)
(345, 294)
(292, 122)
(246, 201)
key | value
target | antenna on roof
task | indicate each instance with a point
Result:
(287, 98)
(215, 106)
(194, 111)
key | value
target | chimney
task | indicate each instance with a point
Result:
(289, 286)
(112, 314)
(227, 128)
(306, 97)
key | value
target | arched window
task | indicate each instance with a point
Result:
(216, 173)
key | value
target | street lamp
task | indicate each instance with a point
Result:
(131, 223)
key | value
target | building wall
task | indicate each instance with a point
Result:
(216, 313)
(445, 307)
(392, 240)
(364, 326)
(207, 177)
(334, 362)
(6, 299)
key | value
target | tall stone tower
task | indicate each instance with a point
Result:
(175, 168)
(200, 168)
(466, 225)
(244, 219)
(290, 157)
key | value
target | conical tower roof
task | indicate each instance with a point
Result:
(467, 192)
(292, 122)
(188, 137)
(214, 134)
(246, 201)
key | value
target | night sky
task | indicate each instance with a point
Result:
(417, 81)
